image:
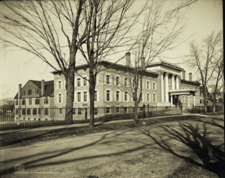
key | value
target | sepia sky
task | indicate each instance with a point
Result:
(17, 66)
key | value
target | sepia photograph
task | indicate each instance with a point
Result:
(111, 89)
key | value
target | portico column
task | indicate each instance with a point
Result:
(162, 88)
(177, 82)
(166, 87)
(173, 82)
(194, 100)
(171, 100)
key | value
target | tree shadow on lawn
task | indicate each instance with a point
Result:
(43, 159)
(212, 156)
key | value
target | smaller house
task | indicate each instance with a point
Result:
(35, 101)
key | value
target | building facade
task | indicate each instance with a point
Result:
(35, 101)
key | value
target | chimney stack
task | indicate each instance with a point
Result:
(183, 74)
(42, 87)
(20, 91)
(190, 76)
(128, 59)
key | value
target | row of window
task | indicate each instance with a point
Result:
(84, 83)
(33, 111)
(39, 119)
(30, 91)
(108, 97)
(37, 101)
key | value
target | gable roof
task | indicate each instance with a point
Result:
(166, 64)
(49, 87)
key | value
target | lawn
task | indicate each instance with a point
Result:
(165, 148)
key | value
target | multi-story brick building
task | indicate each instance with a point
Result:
(162, 86)
(35, 101)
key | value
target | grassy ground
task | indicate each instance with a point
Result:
(164, 148)
(30, 137)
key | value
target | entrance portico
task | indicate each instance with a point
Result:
(174, 95)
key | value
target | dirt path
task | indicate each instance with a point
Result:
(147, 151)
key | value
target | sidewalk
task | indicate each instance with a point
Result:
(87, 124)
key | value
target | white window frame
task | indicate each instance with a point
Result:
(124, 82)
(116, 96)
(153, 85)
(80, 81)
(64, 84)
(148, 85)
(61, 98)
(58, 85)
(61, 109)
(124, 96)
(110, 79)
(119, 84)
(80, 97)
(155, 97)
(148, 97)
(110, 99)
(97, 96)
(87, 96)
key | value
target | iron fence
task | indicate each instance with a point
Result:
(201, 109)
(36, 117)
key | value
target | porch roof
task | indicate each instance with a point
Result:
(182, 92)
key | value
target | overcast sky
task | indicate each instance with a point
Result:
(17, 67)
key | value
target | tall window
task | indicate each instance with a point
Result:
(107, 110)
(28, 111)
(95, 95)
(30, 101)
(23, 111)
(107, 79)
(16, 102)
(125, 96)
(147, 97)
(23, 102)
(37, 101)
(74, 111)
(46, 101)
(36, 91)
(34, 111)
(78, 82)
(60, 98)
(125, 82)
(153, 86)
(117, 80)
(147, 85)
(117, 109)
(78, 97)
(29, 92)
(107, 95)
(153, 98)
(85, 81)
(117, 95)
(24, 92)
(125, 109)
(46, 111)
(39, 110)
(16, 111)
(60, 110)
(85, 96)
(60, 84)
(79, 111)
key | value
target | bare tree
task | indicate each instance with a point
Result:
(107, 27)
(205, 58)
(47, 29)
(161, 28)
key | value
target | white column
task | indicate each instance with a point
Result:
(173, 82)
(171, 100)
(162, 87)
(194, 100)
(166, 87)
(177, 82)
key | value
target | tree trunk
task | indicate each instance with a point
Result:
(135, 112)
(92, 96)
(69, 96)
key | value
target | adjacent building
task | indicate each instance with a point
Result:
(35, 101)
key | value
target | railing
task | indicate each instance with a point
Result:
(35, 117)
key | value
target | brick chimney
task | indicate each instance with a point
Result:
(42, 87)
(20, 91)
(128, 59)
(190, 76)
(183, 74)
